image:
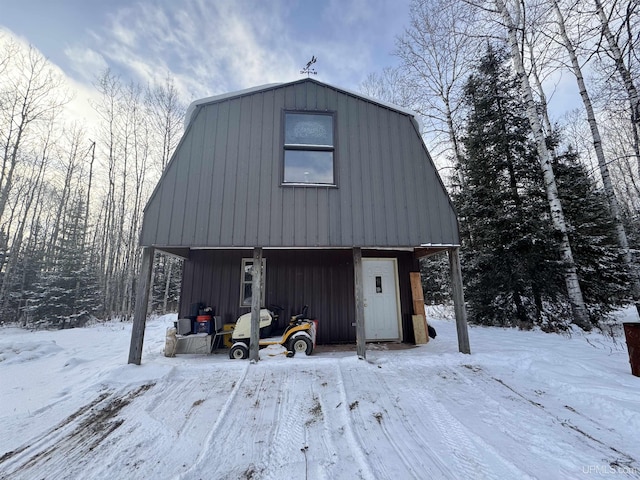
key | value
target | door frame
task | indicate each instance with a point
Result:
(396, 282)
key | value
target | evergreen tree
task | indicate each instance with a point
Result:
(67, 292)
(436, 285)
(603, 273)
(509, 257)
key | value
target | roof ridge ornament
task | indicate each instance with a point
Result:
(307, 69)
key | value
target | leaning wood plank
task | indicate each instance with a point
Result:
(420, 329)
(418, 306)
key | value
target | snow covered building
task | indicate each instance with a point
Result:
(335, 192)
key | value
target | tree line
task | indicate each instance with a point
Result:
(548, 209)
(72, 197)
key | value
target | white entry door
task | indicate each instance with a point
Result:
(381, 299)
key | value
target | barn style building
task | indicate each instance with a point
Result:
(333, 193)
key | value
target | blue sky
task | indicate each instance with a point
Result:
(211, 47)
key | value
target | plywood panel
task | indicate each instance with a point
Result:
(420, 329)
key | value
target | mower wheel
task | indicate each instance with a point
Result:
(239, 351)
(301, 344)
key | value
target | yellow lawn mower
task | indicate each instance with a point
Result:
(297, 337)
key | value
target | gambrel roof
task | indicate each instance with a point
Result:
(223, 186)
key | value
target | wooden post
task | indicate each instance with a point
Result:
(419, 318)
(256, 296)
(142, 300)
(361, 346)
(458, 301)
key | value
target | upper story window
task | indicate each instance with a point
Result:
(308, 148)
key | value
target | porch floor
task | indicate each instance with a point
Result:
(351, 347)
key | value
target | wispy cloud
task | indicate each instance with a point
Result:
(209, 47)
(86, 62)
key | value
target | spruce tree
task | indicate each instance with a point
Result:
(436, 285)
(603, 273)
(509, 255)
(67, 292)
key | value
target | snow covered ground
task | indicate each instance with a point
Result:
(523, 405)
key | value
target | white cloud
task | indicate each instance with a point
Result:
(211, 48)
(208, 47)
(78, 109)
(86, 62)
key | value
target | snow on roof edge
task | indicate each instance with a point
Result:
(392, 106)
(214, 98)
(192, 106)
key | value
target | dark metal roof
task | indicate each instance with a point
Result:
(222, 187)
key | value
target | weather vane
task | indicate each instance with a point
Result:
(308, 70)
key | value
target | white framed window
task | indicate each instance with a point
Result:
(246, 282)
(309, 148)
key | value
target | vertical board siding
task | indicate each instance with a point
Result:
(323, 280)
(267, 169)
(232, 144)
(388, 175)
(223, 187)
(205, 187)
(217, 153)
(192, 223)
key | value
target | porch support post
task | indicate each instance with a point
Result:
(361, 347)
(256, 295)
(458, 301)
(142, 302)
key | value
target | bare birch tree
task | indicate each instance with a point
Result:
(165, 114)
(436, 51)
(30, 92)
(623, 69)
(513, 23)
(610, 193)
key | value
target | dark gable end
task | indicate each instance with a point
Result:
(223, 187)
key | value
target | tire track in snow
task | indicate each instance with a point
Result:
(518, 426)
(66, 449)
(208, 443)
(288, 435)
(311, 428)
(455, 433)
(458, 438)
(627, 460)
(325, 469)
(417, 455)
(417, 445)
(51, 436)
(353, 438)
(245, 438)
(557, 414)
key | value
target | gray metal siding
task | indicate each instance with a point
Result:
(322, 279)
(223, 186)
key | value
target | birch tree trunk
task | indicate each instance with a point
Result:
(610, 193)
(574, 292)
(625, 74)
